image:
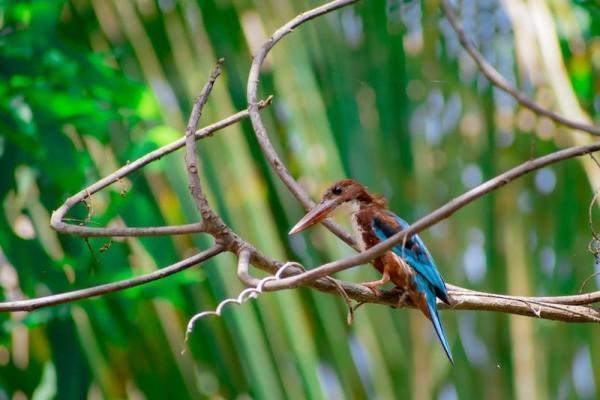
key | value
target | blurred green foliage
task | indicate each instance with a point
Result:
(380, 92)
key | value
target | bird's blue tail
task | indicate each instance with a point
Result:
(430, 298)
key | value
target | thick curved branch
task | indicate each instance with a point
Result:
(499, 81)
(258, 125)
(191, 159)
(67, 297)
(244, 256)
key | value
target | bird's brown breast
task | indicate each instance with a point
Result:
(400, 273)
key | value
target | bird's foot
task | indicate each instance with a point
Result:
(373, 287)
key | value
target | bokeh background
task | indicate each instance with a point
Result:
(381, 92)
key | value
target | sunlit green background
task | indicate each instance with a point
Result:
(381, 92)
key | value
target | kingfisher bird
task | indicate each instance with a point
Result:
(408, 265)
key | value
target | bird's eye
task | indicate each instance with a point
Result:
(337, 190)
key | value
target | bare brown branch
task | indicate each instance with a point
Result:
(67, 297)
(243, 274)
(538, 307)
(58, 216)
(191, 159)
(259, 127)
(500, 82)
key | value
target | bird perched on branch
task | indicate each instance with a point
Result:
(408, 265)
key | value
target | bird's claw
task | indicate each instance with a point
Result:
(373, 288)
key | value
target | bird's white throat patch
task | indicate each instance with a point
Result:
(353, 207)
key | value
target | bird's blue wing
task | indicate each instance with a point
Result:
(413, 250)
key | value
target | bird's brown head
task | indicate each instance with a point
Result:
(341, 192)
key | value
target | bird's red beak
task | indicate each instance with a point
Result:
(317, 214)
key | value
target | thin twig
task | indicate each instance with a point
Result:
(346, 297)
(67, 297)
(591, 219)
(500, 82)
(586, 280)
(594, 245)
(595, 160)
